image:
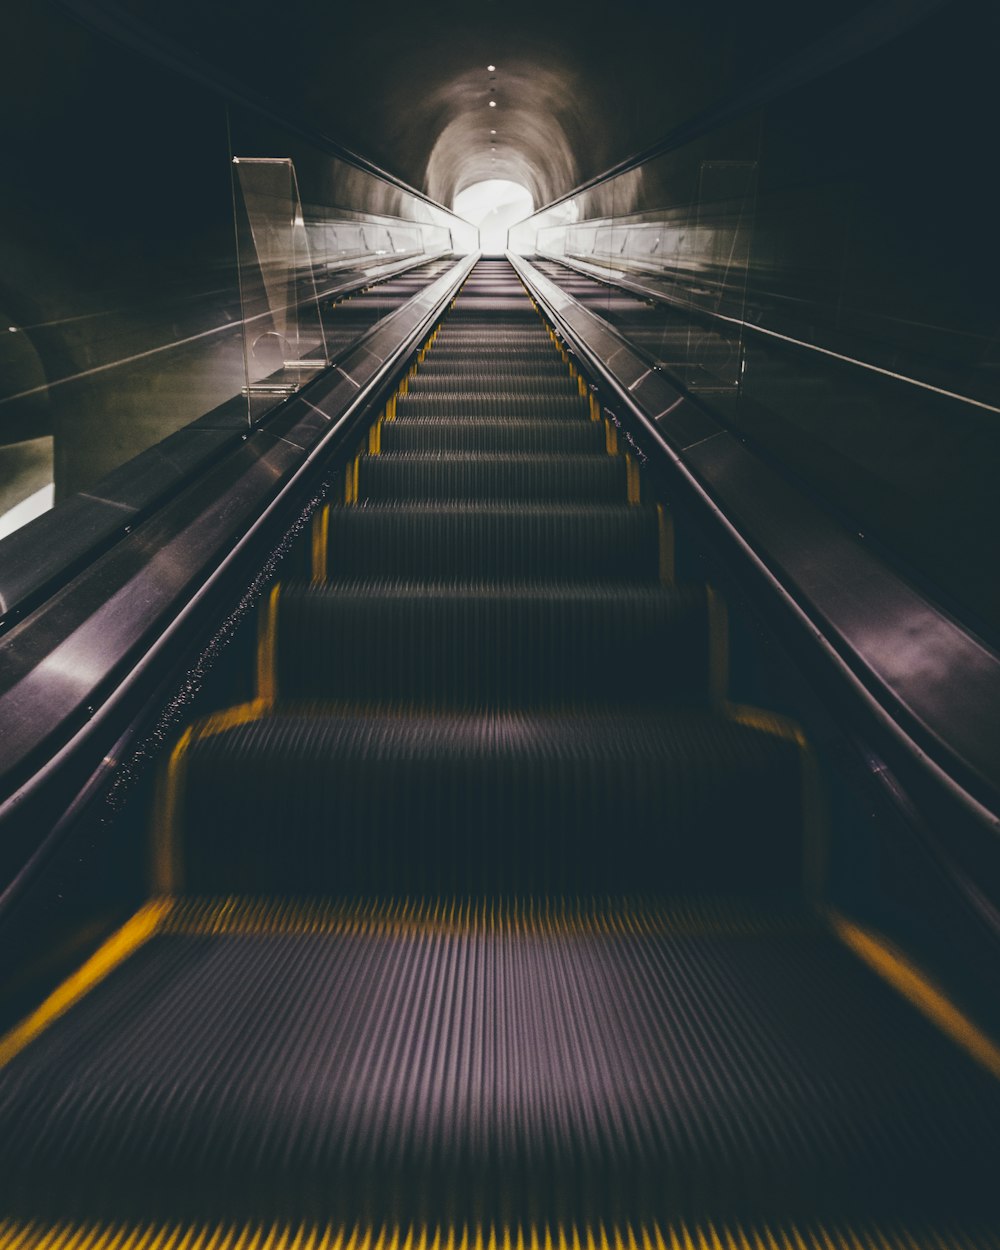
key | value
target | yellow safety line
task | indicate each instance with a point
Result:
(115, 950)
(814, 824)
(718, 646)
(610, 438)
(632, 479)
(165, 866)
(320, 544)
(392, 1235)
(267, 647)
(768, 722)
(578, 917)
(665, 540)
(375, 438)
(351, 481)
(595, 408)
(907, 979)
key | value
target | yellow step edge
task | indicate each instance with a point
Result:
(267, 647)
(815, 831)
(320, 544)
(351, 481)
(423, 918)
(633, 489)
(907, 979)
(166, 867)
(124, 942)
(722, 1234)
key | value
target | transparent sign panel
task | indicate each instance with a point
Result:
(283, 334)
(677, 234)
(153, 289)
(120, 309)
(327, 250)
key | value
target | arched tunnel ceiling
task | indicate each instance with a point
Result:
(577, 87)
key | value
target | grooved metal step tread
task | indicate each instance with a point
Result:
(448, 476)
(525, 383)
(393, 799)
(582, 1068)
(494, 404)
(513, 435)
(481, 645)
(589, 542)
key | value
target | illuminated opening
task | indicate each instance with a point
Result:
(494, 206)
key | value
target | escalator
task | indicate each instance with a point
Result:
(489, 921)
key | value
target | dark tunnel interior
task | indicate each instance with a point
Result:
(499, 626)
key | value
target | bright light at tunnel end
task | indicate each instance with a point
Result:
(494, 206)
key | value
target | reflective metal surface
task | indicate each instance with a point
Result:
(128, 308)
(823, 268)
(71, 662)
(937, 682)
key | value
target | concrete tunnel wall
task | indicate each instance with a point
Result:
(878, 199)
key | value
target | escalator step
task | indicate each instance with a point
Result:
(557, 437)
(493, 345)
(567, 479)
(474, 1066)
(382, 802)
(493, 404)
(482, 646)
(491, 369)
(540, 386)
(475, 541)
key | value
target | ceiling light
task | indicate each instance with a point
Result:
(491, 68)
(492, 132)
(493, 104)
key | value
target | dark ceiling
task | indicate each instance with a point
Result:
(577, 86)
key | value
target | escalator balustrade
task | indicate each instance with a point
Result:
(489, 921)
